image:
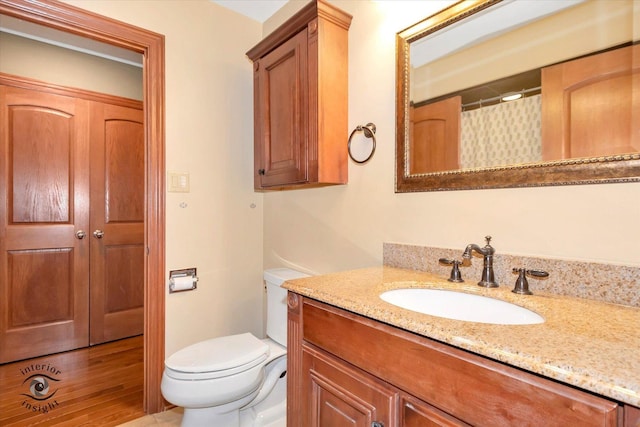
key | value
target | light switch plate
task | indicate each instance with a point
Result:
(177, 182)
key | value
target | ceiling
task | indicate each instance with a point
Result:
(66, 40)
(258, 10)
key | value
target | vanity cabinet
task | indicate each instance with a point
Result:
(346, 369)
(300, 101)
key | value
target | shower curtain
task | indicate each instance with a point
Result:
(503, 134)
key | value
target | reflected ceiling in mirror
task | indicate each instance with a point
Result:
(569, 126)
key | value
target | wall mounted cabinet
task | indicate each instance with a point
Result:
(300, 101)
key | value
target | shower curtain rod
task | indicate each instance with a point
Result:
(496, 98)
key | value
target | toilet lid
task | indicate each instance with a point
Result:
(219, 354)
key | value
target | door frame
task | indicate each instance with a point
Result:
(63, 17)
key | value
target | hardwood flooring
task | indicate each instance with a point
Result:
(96, 386)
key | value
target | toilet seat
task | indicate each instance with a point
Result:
(217, 357)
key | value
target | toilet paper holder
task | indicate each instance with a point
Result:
(182, 280)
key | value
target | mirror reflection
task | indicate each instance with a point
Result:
(520, 82)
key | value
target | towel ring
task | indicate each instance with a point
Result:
(370, 132)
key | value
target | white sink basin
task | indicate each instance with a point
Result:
(461, 306)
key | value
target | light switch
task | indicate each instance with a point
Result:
(178, 182)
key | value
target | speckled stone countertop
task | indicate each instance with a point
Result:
(592, 345)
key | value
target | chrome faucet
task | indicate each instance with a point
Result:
(488, 280)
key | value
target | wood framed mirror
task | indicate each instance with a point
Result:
(459, 63)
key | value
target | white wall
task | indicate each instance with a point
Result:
(209, 133)
(338, 228)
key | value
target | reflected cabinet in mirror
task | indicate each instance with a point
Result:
(519, 93)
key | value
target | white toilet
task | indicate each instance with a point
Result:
(238, 380)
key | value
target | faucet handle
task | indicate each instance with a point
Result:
(522, 285)
(537, 273)
(488, 240)
(455, 271)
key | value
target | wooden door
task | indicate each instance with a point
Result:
(117, 222)
(44, 187)
(281, 144)
(435, 136)
(591, 106)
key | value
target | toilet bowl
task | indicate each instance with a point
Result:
(237, 380)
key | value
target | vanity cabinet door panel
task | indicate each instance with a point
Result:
(415, 413)
(631, 416)
(341, 395)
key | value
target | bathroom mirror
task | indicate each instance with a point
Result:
(454, 67)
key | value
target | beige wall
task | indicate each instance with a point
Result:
(209, 134)
(337, 228)
(41, 61)
(583, 29)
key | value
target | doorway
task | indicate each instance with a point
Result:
(72, 255)
(151, 45)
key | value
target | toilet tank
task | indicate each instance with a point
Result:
(277, 302)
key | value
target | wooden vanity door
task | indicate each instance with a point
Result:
(44, 179)
(338, 395)
(416, 413)
(117, 223)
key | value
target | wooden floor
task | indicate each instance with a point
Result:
(98, 386)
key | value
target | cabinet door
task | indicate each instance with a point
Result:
(631, 416)
(281, 119)
(340, 395)
(416, 413)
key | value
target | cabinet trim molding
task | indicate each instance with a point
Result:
(297, 23)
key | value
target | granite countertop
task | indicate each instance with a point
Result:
(592, 345)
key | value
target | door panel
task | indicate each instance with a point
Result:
(416, 413)
(33, 273)
(435, 136)
(46, 149)
(44, 268)
(117, 209)
(282, 100)
(342, 395)
(577, 94)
